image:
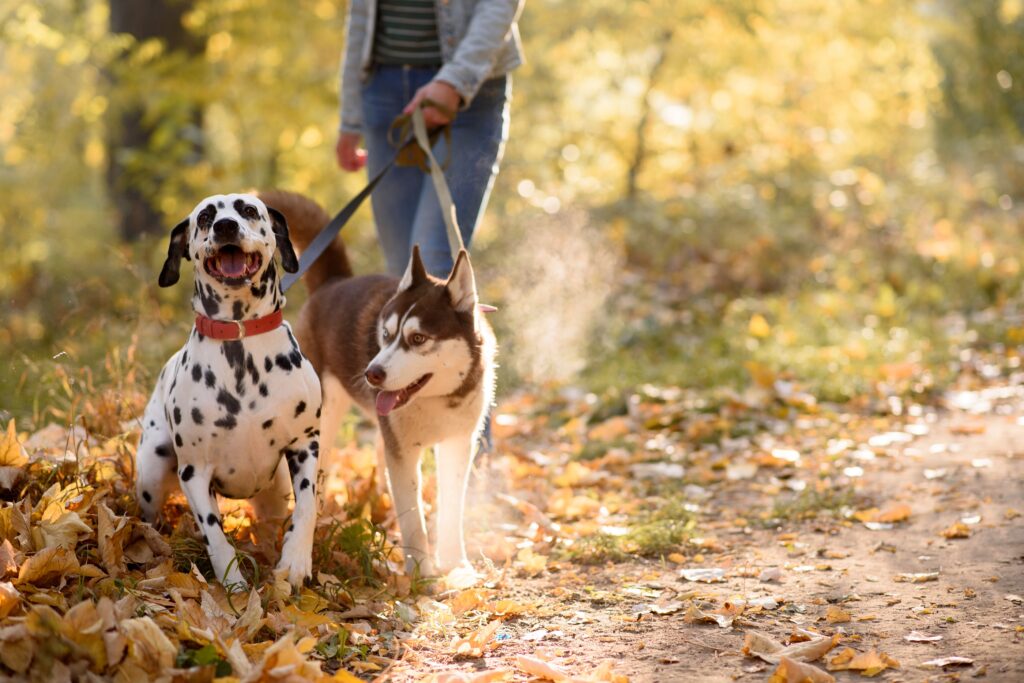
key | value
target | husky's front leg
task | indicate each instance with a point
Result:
(297, 550)
(403, 464)
(453, 459)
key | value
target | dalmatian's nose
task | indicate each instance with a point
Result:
(225, 230)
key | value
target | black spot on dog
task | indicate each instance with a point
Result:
(227, 422)
(211, 378)
(300, 408)
(291, 527)
(197, 373)
(164, 450)
(177, 415)
(314, 448)
(296, 358)
(236, 310)
(304, 485)
(250, 367)
(252, 405)
(209, 299)
(318, 412)
(177, 440)
(268, 364)
(266, 425)
(283, 362)
(197, 416)
(230, 403)
(152, 423)
(234, 353)
(211, 519)
(206, 539)
(187, 472)
(263, 390)
(302, 456)
(146, 497)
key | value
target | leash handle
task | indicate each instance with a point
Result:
(444, 195)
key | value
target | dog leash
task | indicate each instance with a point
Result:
(415, 150)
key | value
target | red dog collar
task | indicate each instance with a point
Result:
(238, 329)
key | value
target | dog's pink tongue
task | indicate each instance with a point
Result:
(232, 263)
(386, 401)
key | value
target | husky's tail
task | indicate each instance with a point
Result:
(305, 220)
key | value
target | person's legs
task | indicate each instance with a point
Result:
(477, 142)
(394, 200)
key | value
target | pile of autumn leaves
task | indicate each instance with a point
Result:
(86, 593)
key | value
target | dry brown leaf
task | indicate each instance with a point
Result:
(47, 566)
(148, 649)
(957, 530)
(759, 645)
(9, 559)
(893, 513)
(920, 577)
(17, 648)
(83, 625)
(11, 452)
(695, 615)
(111, 534)
(792, 671)
(836, 615)
(541, 669)
(62, 532)
(867, 663)
(9, 598)
(478, 642)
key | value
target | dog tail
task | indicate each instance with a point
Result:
(305, 220)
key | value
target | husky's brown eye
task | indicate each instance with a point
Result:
(418, 339)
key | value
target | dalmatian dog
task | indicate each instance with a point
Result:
(236, 411)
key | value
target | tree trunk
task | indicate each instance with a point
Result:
(130, 185)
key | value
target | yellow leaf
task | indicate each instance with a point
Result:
(63, 532)
(868, 663)
(46, 566)
(540, 668)
(478, 642)
(759, 327)
(958, 530)
(9, 598)
(836, 615)
(11, 452)
(791, 671)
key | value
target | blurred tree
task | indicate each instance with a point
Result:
(132, 126)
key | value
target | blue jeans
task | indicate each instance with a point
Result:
(405, 206)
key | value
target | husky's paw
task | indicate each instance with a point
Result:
(298, 564)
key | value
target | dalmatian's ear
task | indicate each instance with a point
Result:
(175, 250)
(289, 261)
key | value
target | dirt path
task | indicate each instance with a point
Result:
(963, 469)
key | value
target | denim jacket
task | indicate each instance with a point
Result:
(479, 40)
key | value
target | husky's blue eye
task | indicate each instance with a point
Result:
(384, 335)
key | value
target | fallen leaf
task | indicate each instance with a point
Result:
(540, 668)
(478, 642)
(704, 575)
(894, 513)
(957, 530)
(791, 671)
(920, 577)
(47, 566)
(867, 663)
(943, 662)
(836, 615)
(756, 644)
(916, 637)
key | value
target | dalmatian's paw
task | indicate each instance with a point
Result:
(298, 564)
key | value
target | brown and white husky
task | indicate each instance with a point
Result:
(416, 355)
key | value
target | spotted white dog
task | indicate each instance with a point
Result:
(236, 411)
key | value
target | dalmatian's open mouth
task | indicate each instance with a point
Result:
(390, 400)
(231, 264)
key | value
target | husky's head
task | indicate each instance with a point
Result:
(232, 239)
(428, 336)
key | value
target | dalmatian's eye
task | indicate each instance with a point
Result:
(250, 212)
(418, 339)
(204, 220)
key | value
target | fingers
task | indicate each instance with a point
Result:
(349, 155)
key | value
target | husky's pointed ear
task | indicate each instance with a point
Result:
(415, 272)
(461, 284)
(289, 261)
(175, 250)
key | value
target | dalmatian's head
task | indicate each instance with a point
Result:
(231, 239)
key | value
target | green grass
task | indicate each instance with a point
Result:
(655, 533)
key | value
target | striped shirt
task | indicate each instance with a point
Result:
(407, 33)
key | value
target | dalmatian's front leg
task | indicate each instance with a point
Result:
(297, 551)
(196, 483)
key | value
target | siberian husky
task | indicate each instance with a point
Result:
(416, 355)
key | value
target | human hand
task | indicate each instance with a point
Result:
(441, 92)
(351, 157)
